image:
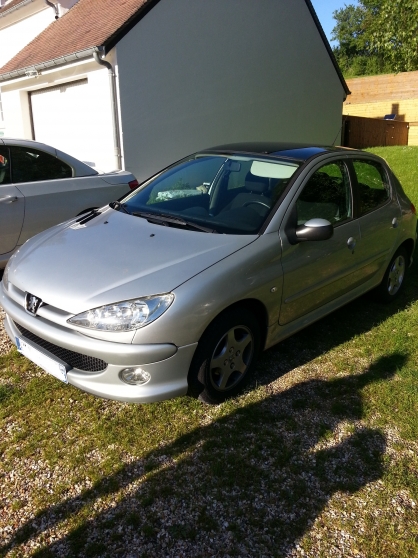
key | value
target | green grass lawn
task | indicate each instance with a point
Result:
(318, 458)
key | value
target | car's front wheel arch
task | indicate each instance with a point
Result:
(246, 324)
(252, 306)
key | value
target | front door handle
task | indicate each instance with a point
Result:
(9, 199)
(351, 243)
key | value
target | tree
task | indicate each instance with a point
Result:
(355, 54)
(377, 36)
(349, 30)
(393, 31)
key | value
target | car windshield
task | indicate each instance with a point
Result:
(213, 193)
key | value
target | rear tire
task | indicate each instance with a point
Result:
(394, 278)
(225, 357)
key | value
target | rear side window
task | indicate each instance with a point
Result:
(4, 166)
(373, 185)
(31, 165)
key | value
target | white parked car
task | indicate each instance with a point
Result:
(41, 186)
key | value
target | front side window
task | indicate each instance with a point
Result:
(32, 165)
(327, 195)
(4, 165)
(227, 194)
(373, 185)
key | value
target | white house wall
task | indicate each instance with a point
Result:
(194, 73)
(88, 136)
(16, 105)
(15, 32)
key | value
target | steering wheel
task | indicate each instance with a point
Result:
(257, 203)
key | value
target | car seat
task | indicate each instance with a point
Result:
(255, 195)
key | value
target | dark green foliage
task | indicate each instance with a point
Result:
(376, 37)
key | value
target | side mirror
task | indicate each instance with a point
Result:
(314, 229)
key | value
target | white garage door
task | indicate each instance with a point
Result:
(63, 116)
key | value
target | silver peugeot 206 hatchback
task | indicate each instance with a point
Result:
(178, 286)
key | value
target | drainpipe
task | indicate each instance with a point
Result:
(113, 100)
(54, 7)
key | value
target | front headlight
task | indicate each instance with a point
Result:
(124, 316)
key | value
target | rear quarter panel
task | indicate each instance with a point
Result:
(48, 203)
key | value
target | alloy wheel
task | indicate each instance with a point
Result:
(231, 358)
(396, 275)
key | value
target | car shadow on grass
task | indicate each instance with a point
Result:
(249, 484)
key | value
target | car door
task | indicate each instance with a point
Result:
(316, 272)
(378, 214)
(52, 194)
(12, 206)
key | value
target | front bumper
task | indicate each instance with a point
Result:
(167, 364)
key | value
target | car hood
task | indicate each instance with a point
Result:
(114, 257)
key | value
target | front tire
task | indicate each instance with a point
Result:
(225, 357)
(394, 278)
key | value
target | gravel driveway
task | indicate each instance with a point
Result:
(5, 343)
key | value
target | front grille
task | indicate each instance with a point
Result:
(76, 360)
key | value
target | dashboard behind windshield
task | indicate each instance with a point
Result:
(228, 194)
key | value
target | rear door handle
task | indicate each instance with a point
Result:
(9, 199)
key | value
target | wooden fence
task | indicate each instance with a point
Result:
(359, 132)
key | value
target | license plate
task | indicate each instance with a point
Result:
(48, 364)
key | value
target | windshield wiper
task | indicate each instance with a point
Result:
(167, 220)
(117, 205)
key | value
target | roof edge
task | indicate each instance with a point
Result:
(328, 47)
(15, 7)
(54, 63)
(129, 24)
